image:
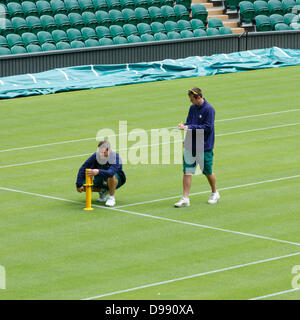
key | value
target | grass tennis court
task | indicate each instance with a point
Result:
(244, 247)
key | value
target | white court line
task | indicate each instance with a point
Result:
(116, 135)
(144, 146)
(192, 276)
(64, 73)
(275, 294)
(32, 77)
(168, 219)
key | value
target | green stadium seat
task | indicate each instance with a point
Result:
(119, 40)
(263, 23)
(184, 25)
(62, 21)
(15, 9)
(199, 33)
(43, 7)
(199, 12)
(106, 42)
(186, 34)
(173, 35)
(58, 6)
(295, 25)
(72, 6)
(44, 36)
(48, 23)
(91, 43)
(19, 25)
(130, 29)
(100, 5)
(158, 27)
(225, 30)
(29, 38)
(3, 11)
(88, 33)
(76, 20)
(260, 8)
(168, 13)
(18, 50)
(281, 27)
(186, 3)
(289, 18)
(167, 3)
(103, 18)
(62, 45)
(275, 7)
(160, 36)
(116, 30)
(129, 16)
(33, 48)
(77, 44)
(181, 12)
(116, 17)
(134, 39)
(197, 24)
(86, 5)
(4, 51)
(288, 5)
(215, 23)
(48, 46)
(141, 3)
(147, 37)
(14, 40)
(172, 26)
(74, 34)
(276, 18)
(59, 35)
(8, 27)
(231, 5)
(90, 19)
(156, 14)
(34, 24)
(142, 15)
(212, 32)
(29, 8)
(246, 11)
(127, 4)
(144, 28)
(3, 42)
(103, 32)
(114, 4)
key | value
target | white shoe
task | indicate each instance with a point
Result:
(111, 201)
(214, 197)
(102, 196)
(184, 202)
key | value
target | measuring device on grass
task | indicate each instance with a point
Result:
(88, 191)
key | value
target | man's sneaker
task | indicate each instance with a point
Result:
(184, 202)
(111, 201)
(102, 196)
(214, 197)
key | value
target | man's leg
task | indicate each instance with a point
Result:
(212, 182)
(187, 181)
(112, 185)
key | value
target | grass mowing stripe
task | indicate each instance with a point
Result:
(168, 219)
(193, 276)
(275, 294)
(149, 145)
(91, 138)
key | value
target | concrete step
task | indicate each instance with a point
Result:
(219, 16)
(237, 30)
(230, 24)
(208, 5)
(199, 1)
(215, 11)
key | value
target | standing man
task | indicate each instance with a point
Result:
(106, 168)
(201, 116)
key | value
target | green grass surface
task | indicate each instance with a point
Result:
(52, 249)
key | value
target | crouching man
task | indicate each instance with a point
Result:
(107, 173)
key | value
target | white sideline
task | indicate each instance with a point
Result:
(275, 294)
(168, 219)
(94, 138)
(192, 276)
(85, 154)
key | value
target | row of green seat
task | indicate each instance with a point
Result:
(277, 22)
(249, 10)
(234, 4)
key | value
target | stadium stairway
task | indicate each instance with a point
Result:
(216, 9)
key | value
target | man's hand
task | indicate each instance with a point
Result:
(181, 126)
(80, 189)
(92, 172)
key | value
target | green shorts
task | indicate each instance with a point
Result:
(205, 162)
(101, 182)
